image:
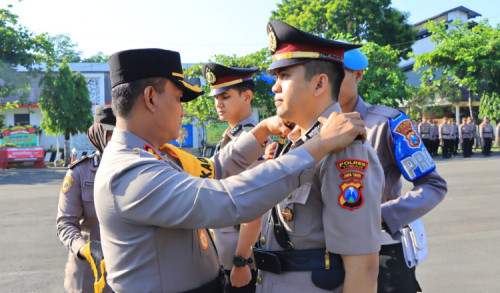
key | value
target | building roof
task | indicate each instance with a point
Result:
(470, 14)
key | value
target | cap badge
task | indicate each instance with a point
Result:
(272, 39)
(210, 76)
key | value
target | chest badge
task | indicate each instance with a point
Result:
(287, 214)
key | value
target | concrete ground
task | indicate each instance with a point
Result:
(463, 231)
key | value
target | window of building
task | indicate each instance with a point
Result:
(21, 119)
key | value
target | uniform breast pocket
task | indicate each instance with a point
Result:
(88, 193)
(295, 213)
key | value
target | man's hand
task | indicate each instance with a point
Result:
(269, 152)
(240, 276)
(92, 252)
(270, 126)
(337, 132)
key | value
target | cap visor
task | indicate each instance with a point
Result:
(191, 92)
(219, 91)
(287, 62)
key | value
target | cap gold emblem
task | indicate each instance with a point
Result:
(272, 39)
(210, 76)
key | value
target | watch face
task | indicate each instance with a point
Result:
(239, 261)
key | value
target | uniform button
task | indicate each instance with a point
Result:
(289, 196)
(262, 240)
(259, 280)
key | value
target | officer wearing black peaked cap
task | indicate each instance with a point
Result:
(232, 89)
(328, 231)
(153, 214)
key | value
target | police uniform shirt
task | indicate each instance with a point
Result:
(486, 130)
(498, 131)
(424, 129)
(77, 221)
(317, 215)
(226, 239)
(454, 131)
(398, 210)
(465, 131)
(445, 131)
(153, 215)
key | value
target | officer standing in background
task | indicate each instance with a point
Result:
(465, 135)
(454, 136)
(329, 228)
(76, 216)
(498, 134)
(472, 127)
(445, 133)
(232, 89)
(152, 214)
(424, 130)
(487, 135)
(391, 135)
(434, 139)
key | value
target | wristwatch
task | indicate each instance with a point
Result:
(240, 261)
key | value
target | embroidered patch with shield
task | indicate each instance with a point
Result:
(67, 184)
(405, 128)
(351, 195)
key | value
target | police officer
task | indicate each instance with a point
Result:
(333, 220)
(152, 214)
(395, 141)
(445, 137)
(465, 135)
(498, 134)
(434, 139)
(424, 130)
(472, 126)
(454, 136)
(232, 89)
(487, 135)
(76, 217)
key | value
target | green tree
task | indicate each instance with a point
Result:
(383, 82)
(19, 47)
(65, 104)
(490, 106)
(466, 56)
(201, 112)
(99, 57)
(64, 48)
(366, 20)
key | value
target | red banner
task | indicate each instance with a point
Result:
(25, 153)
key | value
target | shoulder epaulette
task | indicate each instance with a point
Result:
(248, 127)
(82, 159)
(384, 110)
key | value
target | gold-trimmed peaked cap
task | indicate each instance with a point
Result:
(129, 65)
(222, 78)
(291, 46)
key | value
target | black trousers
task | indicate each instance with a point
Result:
(467, 147)
(486, 146)
(447, 148)
(427, 144)
(394, 276)
(249, 288)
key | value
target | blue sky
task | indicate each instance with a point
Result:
(198, 29)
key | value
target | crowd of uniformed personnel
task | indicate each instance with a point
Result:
(320, 211)
(454, 138)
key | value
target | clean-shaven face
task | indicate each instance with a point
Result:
(170, 111)
(230, 105)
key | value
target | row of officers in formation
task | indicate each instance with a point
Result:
(451, 136)
(321, 210)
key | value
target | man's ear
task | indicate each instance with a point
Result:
(321, 82)
(248, 96)
(149, 98)
(358, 75)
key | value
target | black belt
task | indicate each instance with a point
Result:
(296, 260)
(215, 286)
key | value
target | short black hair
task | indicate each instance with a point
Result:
(244, 86)
(334, 71)
(125, 95)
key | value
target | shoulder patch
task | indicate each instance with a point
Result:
(67, 184)
(351, 195)
(83, 159)
(413, 159)
(384, 110)
(352, 164)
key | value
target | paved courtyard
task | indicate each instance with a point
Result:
(463, 232)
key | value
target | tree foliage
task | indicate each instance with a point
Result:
(383, 82)
(490, 106)
(201, 111)
(465, 56)
(65, 104)
(64, 48)
(21, 47)
(99, 57)
(366, 20)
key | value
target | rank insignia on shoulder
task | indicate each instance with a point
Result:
(287, 214)
(67, 184)
(151, 150)
(351, 195)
